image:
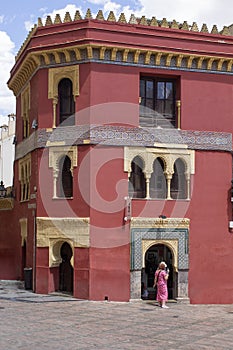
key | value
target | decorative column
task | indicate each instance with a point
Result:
(55, 100)
(178, 105)
(169, 178)
(55, 177)
(147, 176)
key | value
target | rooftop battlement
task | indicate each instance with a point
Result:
(133, 20)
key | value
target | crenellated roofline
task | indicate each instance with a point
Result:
(143, 21)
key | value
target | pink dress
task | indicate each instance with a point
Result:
(162, 293)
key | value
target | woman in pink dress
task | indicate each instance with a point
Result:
(161, 277)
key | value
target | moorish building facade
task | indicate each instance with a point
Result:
(123, 159)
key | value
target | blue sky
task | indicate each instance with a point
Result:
(17, 17)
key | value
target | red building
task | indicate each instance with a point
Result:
(123, 159)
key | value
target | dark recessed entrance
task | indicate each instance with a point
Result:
(153, 256)
(66, 269)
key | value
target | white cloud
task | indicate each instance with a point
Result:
(1, 19)
(112, 6)
(7, 59)
(69, 8)
(209, 11)
(98, 2)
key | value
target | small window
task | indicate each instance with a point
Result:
(157, 102)
(137, 182)
(178, 182)
(66, 102)
(24, 178)
(65, 178)
(158, 187)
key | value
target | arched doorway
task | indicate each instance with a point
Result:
(153, 256)
(66, 269)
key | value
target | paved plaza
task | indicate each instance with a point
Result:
(32, 321)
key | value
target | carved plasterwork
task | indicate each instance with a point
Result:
(23, 230)
(160, 223)
(25, 108)
(55, 251)
(55, 155)
(169, 154)
(53, 232)
(172, 232)
(171, 244)
(56, 152)
(71, 229)
(56, 74)
(24, 165)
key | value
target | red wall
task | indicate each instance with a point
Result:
(110, 250)
(206, 102)
(211, 242)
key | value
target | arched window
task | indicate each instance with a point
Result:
(66, 102)
(158, 186)
(65, 178)
(178, 182)
(137, 182)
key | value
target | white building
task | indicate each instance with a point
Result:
(7, 151)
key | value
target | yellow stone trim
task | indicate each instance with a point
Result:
(158, 58)
(200, 61)
(102, 52)
(67, 17)
(111, 17)
(54, 143)
(24, 166)
(148, 56)
(122, 19)
(210, 62)
(136, 56)
(179, 60)
(55, 245)
(220, 63)
(168, 59)
(229, 65)
(25, 108)
(56, 152)
(159, 223)
(76, 230)
(100, 15)
(172, 244)
(33, 61)
(125, 55)
(57, 19)
(89, 52)
(6, 203)
(53, 232)
(169, 154)
(88, 14)
(23, 230)
(25, 161)
(174, 25)
(56, 74)
(114, 53)
(194, 27)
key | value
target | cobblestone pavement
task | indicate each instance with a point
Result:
(32, 321)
